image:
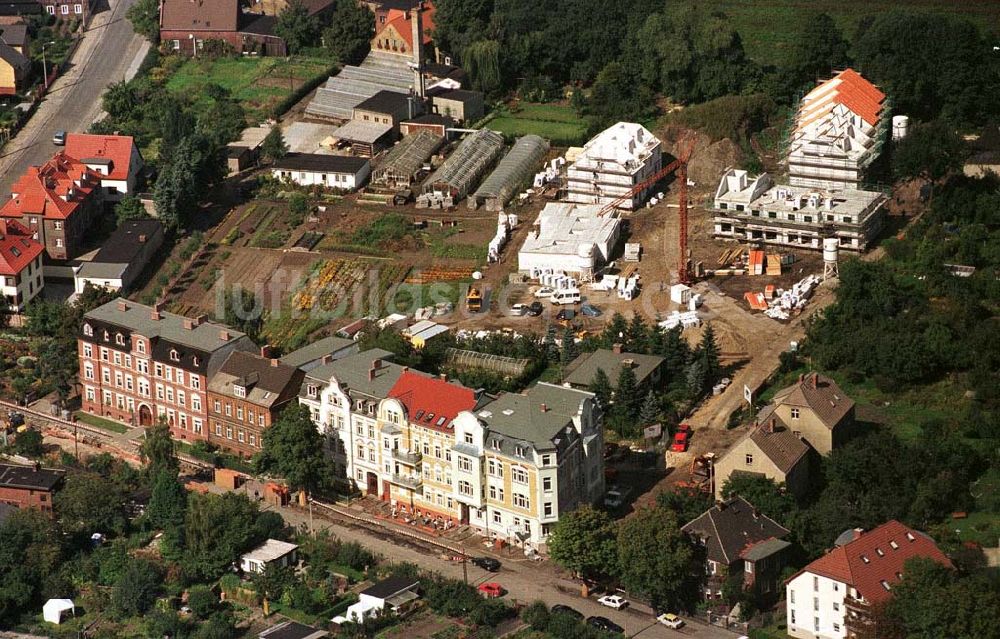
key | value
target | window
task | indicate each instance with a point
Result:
(495, 468)
(52, 11)
(547, 484)
(217, 406)
(795, 413)
(229, 410)
(749, 459)
(140, 346)
(885, 584)
(437, 451)
(792, 620)
(496, 493)
(158, 370)
(118, 358)
(218, 428)
(464, 463)
(518, 475)
(195, 403)
(78, 9)
(361, 451)
(174, 355)
(865, 559)
(241, 437)
(546, 460)
(119, 339)
(548, 509)
(519, 451)
(88, 330)
(791, 597)
(240, 391)
(229, 432)
(311, 390)
(816, 584)
(239, 413)
(180, 398)
(465, 488)
(495, 444)
(497, 517)
(468, 438)
(748, 567)
(815, 603)
(816, 624)
(836, 606)
(520, 500)
(836, 627)
(253, 440)
(88, 370)
(894, 545)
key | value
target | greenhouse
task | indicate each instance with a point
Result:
(404, 161)
(466, 165)
(514, 170)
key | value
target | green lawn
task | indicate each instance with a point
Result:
(258, 83)
(555, 122)
(100, 422)
(980, 526)
(769, 26)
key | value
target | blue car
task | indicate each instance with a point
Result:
(590, 310)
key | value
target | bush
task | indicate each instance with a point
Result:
(307, 87)
(202, 601)
(354, 555)
(536, 615)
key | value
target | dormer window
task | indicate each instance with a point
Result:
(140, 346)
(795, 413)
(119, 339)
(107, 336)
(174, 355)
(880, 552)
(885, 584)
(495, 444)
(240, 391)
(865, 559)
(88, 330)
(195, 360)
(519, 451)
(894, 545)
(910, 536)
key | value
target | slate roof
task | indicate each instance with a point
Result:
(13, 57)
(352, 371)
(586, 365)
(113, 150)
(391, 586)
(764, 549)
(781, 445)
(384, 101)
(875, 559)
(730, 527)
(17, 248)
(16, 35)
(520, 415)
(266, 384)
(317, 350)
(820, 394)
(27, 477)
(123, 244)
(321, 163)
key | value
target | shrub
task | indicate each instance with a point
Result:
(202, 601)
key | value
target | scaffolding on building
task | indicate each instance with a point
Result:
(474, 155)
(513, 171)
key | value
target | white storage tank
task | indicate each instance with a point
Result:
(900, 126)
(830, 249)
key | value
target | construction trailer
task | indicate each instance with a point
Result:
(612, 164)
(513, 171)
(469, 162)
(403, 163)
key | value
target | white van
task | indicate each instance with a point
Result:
(566, 296)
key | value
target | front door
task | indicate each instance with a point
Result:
(145, 415)
(464, 514)
(372, 484)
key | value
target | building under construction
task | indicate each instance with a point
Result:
(620, 158)
(405, 161)
(754, 209)
(463, 169)
(513, 171)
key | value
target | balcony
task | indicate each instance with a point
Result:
(410, 458)
(406, 481)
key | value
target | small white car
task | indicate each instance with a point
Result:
(670, 620)
(545, 291)
(518, 310)
(613, 601)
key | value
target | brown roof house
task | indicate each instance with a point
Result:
(186, 25)
(771, 450)
(816, 409)
(739, 539)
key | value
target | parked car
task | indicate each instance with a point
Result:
(603, 623)
(491, 590)
(613, 601)
(566, 315)
(59, 138)
(670, 620)
(565, 296)
(615, 497)
(535, 309)
(560, 609)
(545, 291)
(590, 310)
(487, 563)
(517, 310)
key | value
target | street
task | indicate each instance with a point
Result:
(109, 52)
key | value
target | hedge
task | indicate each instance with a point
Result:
(307, 87)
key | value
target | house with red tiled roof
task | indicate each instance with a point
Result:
(20, 265)
(831, 598)
(114, 158)
(397, 33)
(57, 202)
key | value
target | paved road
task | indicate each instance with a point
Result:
(106, 55)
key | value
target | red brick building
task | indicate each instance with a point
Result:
(139, 363)
(29, 486)
(57, 201)
(246, 396)
(185, 26)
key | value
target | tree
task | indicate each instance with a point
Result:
(166, 510)
(296, 27)
(656, 559)
(136, 589)
(202, 601)
(614, 331)
(686, 503)
(766, 496)
(145, 18)
(30, 550)
(130, 208)
(121, 100)
(649, 413)
(29, 443)
(243, 310)
(637, 335)
(931, 150)
(549, 344)
(583, 540)
(708, 352)
(628, 398)
(482, 62)
(616, 96)
(348, 38)
(272, 582)
(158, 449)
(293, 448)
(569, 350)
(211, 548)
(89, 504)
(600, 386)
(175, 193)
(273, 147)
(819, 49)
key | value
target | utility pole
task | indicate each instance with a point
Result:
(465, 568)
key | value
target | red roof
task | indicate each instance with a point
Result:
(17, 249)
(400, 20)
(432, 401)
(876, 557)
(850, 89)
(53, 190)
(116, 149)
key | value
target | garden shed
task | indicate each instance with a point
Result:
(54, 610)
(515, 169)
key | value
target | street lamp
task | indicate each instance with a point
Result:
(45, 67)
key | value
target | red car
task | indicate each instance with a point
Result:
(681, 439)
(491, 589)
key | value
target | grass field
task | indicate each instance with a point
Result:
(768, 26)
(100, 422)
(258, 83)
(558, 123)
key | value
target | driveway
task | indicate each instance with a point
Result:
(109, 51)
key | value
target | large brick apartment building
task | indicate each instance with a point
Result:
(138, 363)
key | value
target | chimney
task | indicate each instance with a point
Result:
(154, 314)
(417, 25)
(444, 377)
(224, 335)
(802, 377)
(326, 359)
(265, 351)
(617, 349)
(274, 362)
(122, 306)
(545, 408)
(188, 324)
(376, 364)
(814, 380)
(771, 424)
(201, 319)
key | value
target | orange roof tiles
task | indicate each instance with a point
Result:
(400, 20)
(849, 89)
(17, 248)
(117, 149)
(53, 190)
(875, 559)
(432, 401)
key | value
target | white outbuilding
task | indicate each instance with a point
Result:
(55, 609)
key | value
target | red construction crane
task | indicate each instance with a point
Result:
(680, 165)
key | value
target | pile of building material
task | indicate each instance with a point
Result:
(513, 170)
(773, 264)
(427, 312)
(633, 252)
(732, 256)
(680, 294)
(473, 157)
(550, 173)
(505, 224)
(687, 319)
(755, 266)
(781, 304)
(558, 280)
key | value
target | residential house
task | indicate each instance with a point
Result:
(185, 26)
(114, 158)
(122, 258)
(462, 105)
(401, 31)
(15, 11)
(292, 630)
(15, 67)
(272, 552)
(79, 10)
(57, 202)
(20, 265)
(388, 107)
(617, 160)
(16, 37)
(739, 540)
(648, 369)
(341, 172)
(770, 450)
(832, 597)
(395, 594)
(322, 351)
(246, 396)
(29, 486)
(523, 460)
(816, 409)
(140, 363)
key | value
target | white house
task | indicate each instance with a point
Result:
(115, 158)
(271, 553)
(612, 163)
(395, 594)
(20, 266)
(342, 172)
(831, 597)
(571, 238)
(122, 258)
